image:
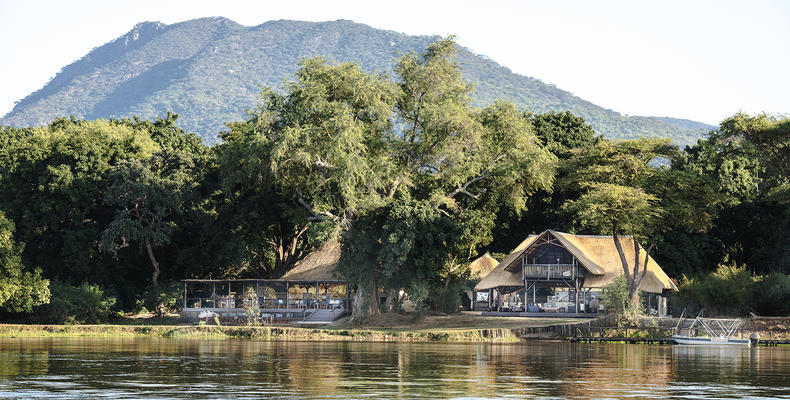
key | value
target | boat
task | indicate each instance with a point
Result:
(717, 341)
(717, 332)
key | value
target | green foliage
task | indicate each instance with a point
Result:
(209, 70)
(608, 208)
(447, 300)
(83, 304)
(771, 295)
(403, 245)
(20, 288)
(617, 300)
(168, 296)
(563, 131)
(251, 307)
(725, 291)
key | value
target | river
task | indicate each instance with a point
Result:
(84, 368)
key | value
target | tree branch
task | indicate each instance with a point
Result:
(393, 187)
(620, 252)
(463, 189)
(315, 215)
(322, 163)
(644, 265)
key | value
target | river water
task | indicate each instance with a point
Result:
(84, 368)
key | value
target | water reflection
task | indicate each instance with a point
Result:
(172, 368)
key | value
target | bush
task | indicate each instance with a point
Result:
(727, 291)
(617, 302)
(446, 300)
(772, 295)
(81, 304)
(732, 290)
(171, 293)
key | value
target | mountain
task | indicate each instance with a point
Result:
(211, 71)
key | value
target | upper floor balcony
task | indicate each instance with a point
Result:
(552, 271)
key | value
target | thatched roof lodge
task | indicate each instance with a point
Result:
(311, 292)
(483, 265)
(575, 262)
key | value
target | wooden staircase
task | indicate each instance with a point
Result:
(322, 316)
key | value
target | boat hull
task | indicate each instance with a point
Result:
(708, 341)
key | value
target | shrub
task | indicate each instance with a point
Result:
(81, 304)
(727, 291)
(171, 293)
(446, 300)
(772, 295)
(617, 302)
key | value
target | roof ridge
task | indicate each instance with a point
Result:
(586, 235)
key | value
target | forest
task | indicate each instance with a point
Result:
(99, 218)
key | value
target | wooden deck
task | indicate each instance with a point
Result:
(537, 314)
(647, 340)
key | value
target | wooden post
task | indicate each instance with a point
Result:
(185, 294)
(348, 297)
(576, 295)
(649, 303)
(287, 286)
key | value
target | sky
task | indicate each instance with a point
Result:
(700, 60)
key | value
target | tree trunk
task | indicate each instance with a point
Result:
(366, 302)
(391, 305)
(154, 278)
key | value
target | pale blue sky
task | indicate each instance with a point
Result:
(702, 60)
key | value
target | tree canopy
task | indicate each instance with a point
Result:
(411, 178)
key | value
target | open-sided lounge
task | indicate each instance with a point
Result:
(308, 293)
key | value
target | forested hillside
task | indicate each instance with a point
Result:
(212, 70)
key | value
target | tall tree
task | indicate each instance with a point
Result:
(147, 195)
(613, 177)
(329, 143)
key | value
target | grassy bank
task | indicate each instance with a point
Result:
(497, 335)
(391, 327)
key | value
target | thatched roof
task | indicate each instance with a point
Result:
(597, 254)
(318, 265)
(483, 265)
(499, 276)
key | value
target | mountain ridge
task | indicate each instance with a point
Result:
(211, 70)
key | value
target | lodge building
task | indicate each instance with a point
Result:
(575, 265)
(549, 272)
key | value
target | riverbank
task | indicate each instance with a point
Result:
(261, 333)
(386, 328)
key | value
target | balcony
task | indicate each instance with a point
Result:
(552, 271)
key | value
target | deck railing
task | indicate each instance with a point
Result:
(552, 271)
(266, 303)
